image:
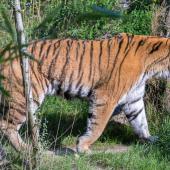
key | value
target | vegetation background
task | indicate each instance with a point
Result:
(63, 121)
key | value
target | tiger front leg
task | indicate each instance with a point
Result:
(135, 112)
(99, 114)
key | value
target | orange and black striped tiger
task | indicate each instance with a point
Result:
(110, 73)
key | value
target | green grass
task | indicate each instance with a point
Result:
(139, 157)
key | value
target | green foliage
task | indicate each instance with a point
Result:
(159, 123)
(2, 89)
(82, 19)
(164, 138)
(139, 157)
(92, 19)
(78, 19)
(137, 22)
(7, 29)
(142, 4)
(6, 24)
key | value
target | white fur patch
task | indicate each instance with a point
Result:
(84, 91)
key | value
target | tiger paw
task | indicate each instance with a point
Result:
(65, 151)
(150, 139)
(83, 150)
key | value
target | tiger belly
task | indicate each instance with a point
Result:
(73, 89)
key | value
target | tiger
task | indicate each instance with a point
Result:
(110, 73)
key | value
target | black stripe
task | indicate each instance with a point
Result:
(157, 61)
(94, 123)
(100, 105)
(123, 62)
(70, 81)
(46, 82)
(127, 51)
(92, 84)
(130, 114)
(91, 60)
(67, 56)
(56, 47)
(81, 58)
(48, 49)
(120, 66)
(136, 100)
(136, 115)
(59, 89)
(89, 94)
(79, 92)
(109, 43)
(79, 81)
(35, 75)
(155, 47)
(42, 83)
(36, 102)
(127, 45)
(41, 48)
(33, 47)
(77, 50)
(92, 116)
(71, 77)
(141, 43)
(54, 60)
(133, 115)
(88, 129)
(130, 39)
(118, 109)
(116, 57)
(100, 54)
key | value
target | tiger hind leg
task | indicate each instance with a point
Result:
(11, 132)
(99, 114)
(135, 112)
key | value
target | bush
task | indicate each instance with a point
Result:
(79, 20)
(137, 22)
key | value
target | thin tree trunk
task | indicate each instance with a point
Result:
(26, 74)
